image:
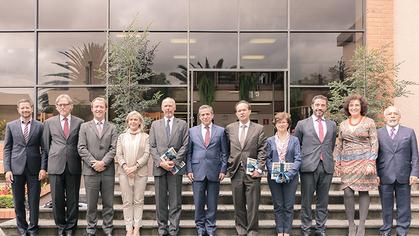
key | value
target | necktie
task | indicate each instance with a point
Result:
(207, 136)
(26, 132)
(99, 128)
(321, 134)
(66, 128)
(392, 133)
(242, 135)
(168, 129)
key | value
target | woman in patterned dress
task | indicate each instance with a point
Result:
(355, 153)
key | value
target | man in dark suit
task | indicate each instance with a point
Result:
(398, 169)
(164, 134)
(25, 163)
(317, 137)
(247, 140)
(206, 167)
(97, 142)
(61, 135)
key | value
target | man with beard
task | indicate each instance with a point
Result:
(317, 137)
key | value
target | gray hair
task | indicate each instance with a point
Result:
(140, 117)
(387, 110)
(65, 96)
(205, 107)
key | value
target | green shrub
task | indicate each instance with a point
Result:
(6, 201)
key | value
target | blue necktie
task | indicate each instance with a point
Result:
(168, 129)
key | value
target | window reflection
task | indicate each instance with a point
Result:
(263, 15)
(75, 14)
(17, 59)
(17, 14)
(81, 98)
(300, 102)
(218, 49)
(263, 50)
(213, 15)
(157, 15)
(317, 59)
(71, 58)
(326, 14)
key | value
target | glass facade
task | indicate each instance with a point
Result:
(275, 53)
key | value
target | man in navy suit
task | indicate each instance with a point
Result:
(25, 163)
(206, 167)
(397, 167)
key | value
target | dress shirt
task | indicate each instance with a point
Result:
(316, 125)
(396, 129)
(204, 131)
(241, 129)
(22, 124)
(62, 122)
(170, 123)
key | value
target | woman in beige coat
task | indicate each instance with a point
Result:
(132, 153)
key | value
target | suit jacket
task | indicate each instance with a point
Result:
(92, 146)
(142, 156)
(207, 161)
(254, 146)
(311, 147)
(18, 154)
(159, 143)
(62, 151)
(292, 155)
(398, 157)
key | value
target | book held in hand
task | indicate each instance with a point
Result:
(252, 165)
(280, 167)
(170, 155)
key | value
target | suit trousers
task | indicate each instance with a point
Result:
(168, 203)
(103, 184)
(318, 181)
(34, 189)
(205, 193)
(65, 190)
(402, 193)
(132, 199)
(283, 198)
(246, 198)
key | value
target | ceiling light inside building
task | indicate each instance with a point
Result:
(183, 57)
(253, 57)
(182, 41)
(262, 41)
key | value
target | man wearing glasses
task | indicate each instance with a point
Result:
(60, 136)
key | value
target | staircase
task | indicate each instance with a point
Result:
(336, 224)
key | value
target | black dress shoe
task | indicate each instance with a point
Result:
(305, 233)
(68, 233)
(321, 234)
(108, 234)
(32, 233)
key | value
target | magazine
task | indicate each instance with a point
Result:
(169, 155)
(280, 167)
(252, 165)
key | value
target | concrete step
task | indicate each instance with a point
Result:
(227, 212)
(187, 227)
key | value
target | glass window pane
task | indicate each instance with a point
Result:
(75, 14)
(213, 15)
(17, 14)
(263, 50)
(326, 14)
(8, 101)
(81, 98)
(71, 58)
(263, 14)
(300, 102)
(17, 59)
(317, 59)
(158, 15)
(220, 49)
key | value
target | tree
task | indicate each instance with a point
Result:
(373, 76)
(130, 61)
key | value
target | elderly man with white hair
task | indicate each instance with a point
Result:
(398, 169)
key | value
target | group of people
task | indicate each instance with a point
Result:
(67, 148)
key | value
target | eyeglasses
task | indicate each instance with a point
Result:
(63, 104)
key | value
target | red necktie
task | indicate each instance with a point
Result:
(321, 135)
(207, 136)
(26, 132)
(66, 128)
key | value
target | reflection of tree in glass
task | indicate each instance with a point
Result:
(340, 71)
(247, 85)
(206, 81)
(182, 75)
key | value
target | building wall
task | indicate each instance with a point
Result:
(406, 51)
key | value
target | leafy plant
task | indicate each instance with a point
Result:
(6, 201)
(2, 129)
(247, 84)
(130, 61)
(372, 75)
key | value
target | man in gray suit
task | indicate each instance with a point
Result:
(206, 166)
(164, 134)
(60, 136)
(398, 169)
(247, 139)
(97, 142)
(317, 137)
(25, 163)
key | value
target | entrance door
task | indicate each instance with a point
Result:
(223, 89)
